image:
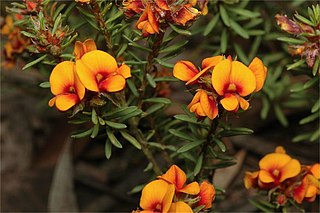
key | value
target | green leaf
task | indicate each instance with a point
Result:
(108, 149)
(212, 23)
(132, 88)
(224, 41)
(296, 64)
(187, 118)
(30, 35)
(316, 67)
(114, 17)
(115, 125)
(130, 139)
(121, 111)
(242, 56)
(95, 130)
(158, 100)
(166, 79)
(82, 134)
(180, 134)
(178, 30)
(310, 83)
(291, 40)
(302, 137)
(315, 135)
(172, 48)
(151, 81)
(45, 84)
(316, 106)
(220, 144)
(113, 139)
(280, 115)
(130, 115)
(239, 30)
(94, 117)
(198, 166)
(190, 146)
(56, 24)
(309, 118)
(244, 12)
(260, 206)
(138, 46)
(32, 63)
(165, 64)
(122, 49)
(224, 15)
(304, 20)
(154, 108)
(235, 131)
(136, 189)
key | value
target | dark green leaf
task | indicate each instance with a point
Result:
(178, 30)
(182, 135)
(224, 15)
(316, 67)
(189, 146)
(296, 64)
(224, 41)
(310, 83)
(94, 117)
(57, 22)
(303, 19)
(108, 149)
(115, 125)
(30, 35)
(113, 139)
(291, 40)
(166, 79)
(198, 166)
(157, 100)
(242, 56)
(121, 111)
(82, 134)
(132, 88)
(310, 118)
(165, 64)
(95, 131)
(220, 144)
(280, 115)
(151, 81)
(174, 47)
(212, 23)
(130, 115)
(131, 139)
(189, 119)
(239, 30)
(32, 63)
(302, 137)
(315, 135)
(136, 189)
(244, 12)
(154, 108)
(316, 106)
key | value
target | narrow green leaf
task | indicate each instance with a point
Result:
(302, 137)
(280, 115)
(138, 46)
(130, 115)
(58, 11)
(244, 12)
(108, 149)
(136, 189)
(131, 139)
(165, 64)
(198, 166)
(158, 100)
(84, 12)
(260, 206)
(239, 30)
(166, 79)
(95, 130)
(316, 106)
(122, 49)
(154, 108)
(310, 83)
(291, 40)
(265, 108)
(220, 144)
(151, 81)
(30, 35)
(296, 64)
(243, 57)
(178, 30)
(224, 15)
(224, 41)
(180, 134)
(120, 111)
(212, 23)
(45, 84)
(114, 17)
(255, 46)
(32, 63)
(303, 19)
(56, 24)
(309, 118)
(316, 66)
(82, 134)
(190, 146)
(115, 125)
(174, 47)
(101, 121)
(189, 119)
(94, 117)
(113, 139)
(132, 88)
(315, 135)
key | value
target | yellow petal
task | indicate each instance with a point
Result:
(62, 77)
(184, 70)
(124, 70)
(315, 170)
(152, 20)
(208, 105)
(280, 149)
(260, 72)
(157, 192)
(291, 169)
(66, 101)
(244, 104)
(197, 109)
(78, 51)
(80, 89)
(114, 83)
(221, 76)
(191, 189)
(195, 99)
(230, 102)
(175, 176)
(90, 45)
(180, 207)
(274, 161)
(243, 78)
(52, 101)
(86, 76)
(266, 177)
(212, 61)
(194, 78)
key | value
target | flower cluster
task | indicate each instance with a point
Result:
(310, 46)
(93, 70)
(154, 15)
(221, 80)
(170, 193)
(285, 178)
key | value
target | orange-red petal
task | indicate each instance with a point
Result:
(260, 72)
(114, 83)
(176, 176)
(208, 105)
(243, 78)
(191, 189)
(291, 169)
(66, 101)
(62, 77)
(184, 70)
(124, 70)
(180, 207)
(221, 76)
(230, 102)
(207, 194)
(211, 61)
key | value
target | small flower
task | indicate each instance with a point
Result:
(203, 105)
(98, 71)
(206, 194)
(147, 22)
(157, 196)
(278, 167)
(180, 207)
(233, 80)
(178, 178)
(82, 48)
(288, 25)
(66, 86)
(251, 179)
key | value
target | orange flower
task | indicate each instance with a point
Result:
(98, 71)
(180, 207)
(233, 80)
(206, 194)
(277, 167)
(66, 86)
(185, 14)
(176, 176)
(147, 22)
(157, 196)
(186, 71)
(251, 179)
(82, 48)
(203, 105)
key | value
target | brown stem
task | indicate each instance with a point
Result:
(96, 10)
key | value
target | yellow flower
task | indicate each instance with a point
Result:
(66, 86)
(178, 178)
(203, 105)
(180, 207)
(157, 196)
(98, 71)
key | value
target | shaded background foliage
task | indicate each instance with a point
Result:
(36, 160)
